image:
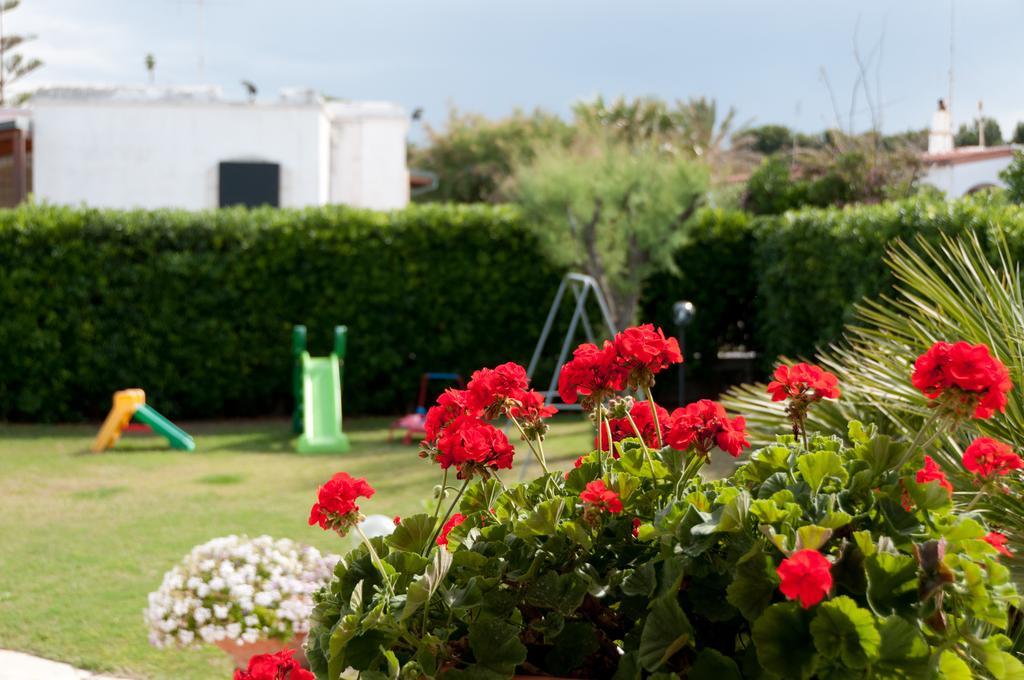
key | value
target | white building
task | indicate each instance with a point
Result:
(959, 171)
(190, 148)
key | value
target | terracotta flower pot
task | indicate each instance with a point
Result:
(241, 653)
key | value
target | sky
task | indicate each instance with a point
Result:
(766, 59)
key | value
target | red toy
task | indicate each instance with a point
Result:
(413, 422)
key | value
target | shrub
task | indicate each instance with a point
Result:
(814, 265)
(820, 557)
(197, 308)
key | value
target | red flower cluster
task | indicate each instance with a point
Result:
(636, 527)
(622, 429)
(987, 457)
(806, 575)
(455, 428)
(456, 520)
(643, 351)
(705, 424)
(967, 378)
(471, 445)
(450, 405)
(803, 382)
(632, 358)
(998, 541)
(336, 508)
(491, 388)
(931, 472)
(596, 496)
(279, 666)
(592, 374)
(528, 408)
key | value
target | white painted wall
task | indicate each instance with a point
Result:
(152, 152)
(368, 155)
(958, 179)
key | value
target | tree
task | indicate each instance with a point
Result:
(1018, 134)
(691, 128)
(473, 156)
(770, 139)
(150, 66)
(617, 211)
(968, 135)
(13, 65)
(1013, 176)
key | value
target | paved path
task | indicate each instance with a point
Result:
(19, 666)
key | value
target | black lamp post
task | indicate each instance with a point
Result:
(683, 312)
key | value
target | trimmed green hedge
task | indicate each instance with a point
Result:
(813, 265)
(197, 308)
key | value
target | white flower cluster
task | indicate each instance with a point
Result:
(236, 588)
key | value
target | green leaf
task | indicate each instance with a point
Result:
(412, 534)
(543, 521)
(844, 630)
(665, 632)
(725, 518)
(819, 466)
(952, 667)
(927, 496)
(784, 642)
(640, 582)
(562, 592)
(422, 589)
(882, 453)
(892, 583)
(903, 653)
(574, 644)
(769, 512)
(496, 646)
(633, 462)
(713, 665)
(812, 537)
(835, 519)
(754, 583)
(856, 432)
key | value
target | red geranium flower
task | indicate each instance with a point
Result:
(397, 520)
(644, 351)
(931, 472)
(998, 541)
(592, 374)
(622, 429)
(279, 666)
(527, 407)
(636, 527)
(705, 424)
(450, 405)
(455, 521)
(490, 388)
(966, 378)
(599, 497)
(803, 382)
(472, 445)
(806, 576)
(988, 457)
(336, 507)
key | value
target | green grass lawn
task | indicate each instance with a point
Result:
(85, 537)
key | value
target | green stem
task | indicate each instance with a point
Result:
(921, 438)
(647, 452)
(977, 497)
(693, 466)
(538, 455)
(375, 558)
(654, 416)
(440, 496)
(438, 527)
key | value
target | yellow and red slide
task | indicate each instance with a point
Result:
(130, 404)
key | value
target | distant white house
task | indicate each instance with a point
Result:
(959, 171)
(150, 147)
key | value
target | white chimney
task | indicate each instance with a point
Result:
(940, 137)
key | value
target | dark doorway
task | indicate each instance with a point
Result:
(251, 184)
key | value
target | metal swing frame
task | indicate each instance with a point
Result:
(581, 286)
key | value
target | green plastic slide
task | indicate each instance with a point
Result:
(178, 438)
(321, 406)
